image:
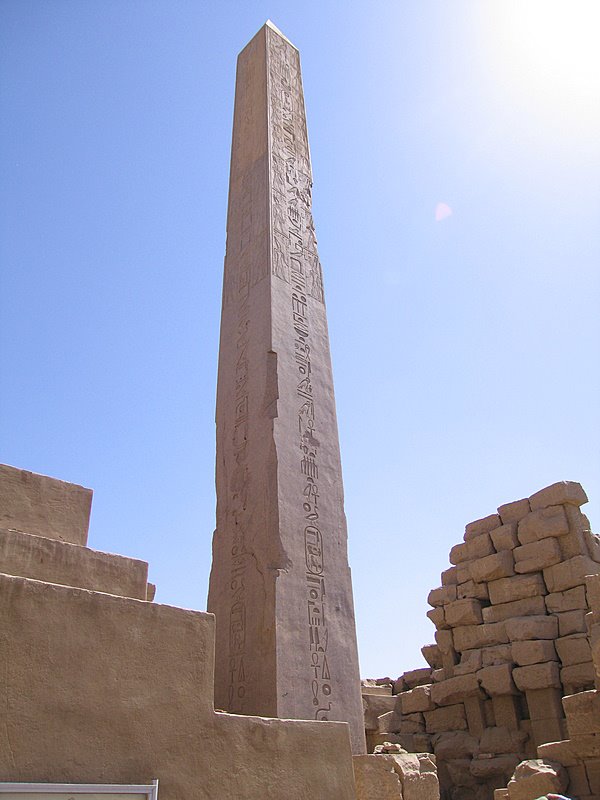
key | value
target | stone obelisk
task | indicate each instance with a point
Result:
(280, 584)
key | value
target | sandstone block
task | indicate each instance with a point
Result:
(521, 629)
(449, 577)
(545, 703)
(497, 654)
(432, 655)
(517, 608)
(478, 591)
(573, 544)
(497, 680)
(571, 622)
(374, 706)
(592, 768)
(470, 637)
(391, 722)
(498, 740)
(470, 662)
(417, 699)
(446, 718)
(565, 752)
(505, 537)
(533, 652)
(569, 600)
(417, 677)
(454, 690)
(418, 776)
(368, 687)
(513, 512)
(485, 769)
(569, 573)
(592, 585)
(576, 677)
(376, 778)
(500, 794)
(578, 782)
(438, 675)
(507, 590)
(445, 641)
(480, 526)
(437, 616)
(506, 712)
(533, 557)
(551, 521)
(412, 723)
(537, 777)
(573, 649)
(442, 595)
(537, 676)
(463, 572)
(583, 712)
(463, 612)
(491, 568)
(454, 744)
(474, 548)
(559, 493)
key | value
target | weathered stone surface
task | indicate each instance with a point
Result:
(417, 677)
(449, 577)
(280, 585)
(545, 703)
(535, 556)
(418, 776)
(498, 740)
(571, 622)
(569, 600)
(569, 573)
(497, 654)
(507, 590)
(491, 568)
(454, 744)
(578, 676)
(447, 718)
(438, 617)
(392, 721)
(562, 492)
(371, 688)
(417, 699)
(505, 537)
(513, 512)
(55, 561)
(454, 690)
(518, 608)
(478, 591)
(374, 706)
(592, 586)
(488, 768)
(506, 712)
(573, 649)
(445, 641)
(537, 676)
(497, 681)
(44, 506)
(551, 521)
(432, 655)
(565, 752)
(578, 782)
(442, 595)
(463, 612)
(470, 662)
(537, 777)
(592, 768)
(103, 689)
(469, 637)
(474, 548)
(533, 652)
(376, 778)
(480, 526)
(521, 629)
(583, 712)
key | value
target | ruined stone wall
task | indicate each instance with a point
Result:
(511, 641)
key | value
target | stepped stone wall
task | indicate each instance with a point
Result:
(512, 639)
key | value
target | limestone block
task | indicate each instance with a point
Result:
(498, 740)
(480, 526)
(446, 718)
(505, 537)
(454, 690)
(470, 662)
(474, 548)
(537, 676)
(534, 556)
(520, 629)
(417, 699)
(485, 769)
(551, 521)
(570, 600)
(437, 616)
(507, 590)
(571, 622)
(498, 654)
(44, 506)
(537, 777)
(442, 595)
(454, 744)
(469, 588)
(583, 712)
(578, 676)
(569, 573)
(55, 561)
(517, 608)
(573, 649)
(491, 568)
(545, 703)
(432, 655)
(558, 493)
(506, 711)
(418, 776)
(449, 577)
(533, 652)
(374, 706)
(463, 612)
(513, 512)
(417, 677)
(470, 637)
(497, 680)
(376, 778)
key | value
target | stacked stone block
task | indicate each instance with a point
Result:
(511, 641)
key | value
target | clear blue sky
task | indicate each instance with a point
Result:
(465, 350)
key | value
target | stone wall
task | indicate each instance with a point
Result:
(511, 641)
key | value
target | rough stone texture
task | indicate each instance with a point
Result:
(518, 608)
(396, 777)
(537, 676)
(551, 521)
(494, 567)
(417, 699)
(537, 777)
(280, 584)
(497, 680)
(570, 573)
(513, 512)
(54, 561)
(463, 612)
(474, 548)
(432, 654)
(533, 652)
(507, 590)
(521, 629)
(442, 595)
(102, 689)
(570, 600)
(480, 526)
(374, 706)
(454, 690)
(571, 622)
(468, 637)
(535, 556)
(505, 537)
(583, 712)
(559, 493)
(447, 718)
(573, 649)
(44, 506)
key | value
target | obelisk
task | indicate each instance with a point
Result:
(280, 584)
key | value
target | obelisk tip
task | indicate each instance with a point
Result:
(270, 24)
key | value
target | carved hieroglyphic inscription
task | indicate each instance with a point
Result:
(295, 260)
